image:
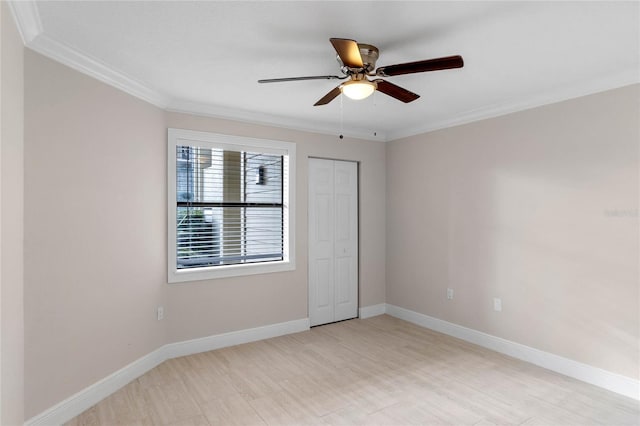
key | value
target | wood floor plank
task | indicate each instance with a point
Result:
(193, 421)
(271, 412)
(252, 382)
(232, 410)
(126, 407)
(205, 385)
(171, 403)
(378, 371)
(297, 409)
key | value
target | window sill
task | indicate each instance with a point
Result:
(215, 272)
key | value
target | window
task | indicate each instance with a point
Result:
(230, 205)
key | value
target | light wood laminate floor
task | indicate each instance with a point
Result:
(364, 372)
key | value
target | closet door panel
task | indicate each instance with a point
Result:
(346, 240)
(321, 242)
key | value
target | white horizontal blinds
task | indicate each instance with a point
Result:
(229, 207)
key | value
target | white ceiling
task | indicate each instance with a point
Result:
(206, 57)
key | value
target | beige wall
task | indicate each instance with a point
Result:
(11, 222)
(211, 307)
(539, 208)
(95, 219)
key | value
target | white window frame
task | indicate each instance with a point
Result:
(178, 137)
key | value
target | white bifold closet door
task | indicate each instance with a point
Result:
(333, 240)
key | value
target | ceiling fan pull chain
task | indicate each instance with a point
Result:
(341, 117)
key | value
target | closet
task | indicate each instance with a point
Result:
(333, 240)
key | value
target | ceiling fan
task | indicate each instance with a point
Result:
(358, 62)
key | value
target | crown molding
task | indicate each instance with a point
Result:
(251, 117)
(27, 18)
(623, 78)
(92, 67)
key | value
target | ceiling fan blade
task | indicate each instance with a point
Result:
(395, 91)
(348, 51)
(436, 64)
(328, 97)
(312, 77)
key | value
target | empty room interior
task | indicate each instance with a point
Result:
(319, 213)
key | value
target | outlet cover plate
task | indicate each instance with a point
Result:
(497, 304)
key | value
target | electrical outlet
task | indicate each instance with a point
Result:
(497, 304)
(450, 293)
(160, 312)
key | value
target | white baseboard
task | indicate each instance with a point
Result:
(189, 347)
(372, 311)
(596, 376)
(83, 400)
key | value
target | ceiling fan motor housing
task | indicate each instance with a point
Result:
(369, 56)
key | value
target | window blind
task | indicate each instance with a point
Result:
(229, 207)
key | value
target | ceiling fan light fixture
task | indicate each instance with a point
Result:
(358, 89)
